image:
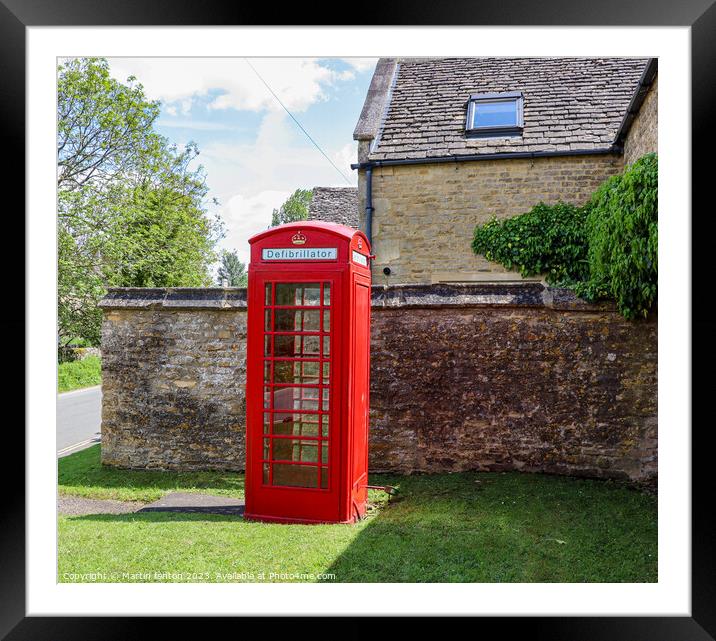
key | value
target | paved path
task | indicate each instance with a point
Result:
(196, 503)
(79, 417)
(182, 502)
(80, 506)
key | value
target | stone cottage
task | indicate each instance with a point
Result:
(445, 144)
(472, 367)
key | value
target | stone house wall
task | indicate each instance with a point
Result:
(487, 377)
(643, 134)
(425, 214)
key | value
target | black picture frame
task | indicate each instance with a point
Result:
(700, 15)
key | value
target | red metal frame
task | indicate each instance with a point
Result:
(338, 492)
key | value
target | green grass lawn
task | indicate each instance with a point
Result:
(467, 527)
(78, 374)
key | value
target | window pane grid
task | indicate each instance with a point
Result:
(296, 384)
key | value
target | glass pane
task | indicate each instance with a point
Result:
(309, 373)
(267, 448)
(305, 373)
(267, 398)
(298, 294)
(283, 371)
(326, 293)
(324, 477)
(326, 345)
(268, 293)
(326, 395)
(295, 424)
(295, 398)
(267, 320)
(293, 449)
(266, 473)
(267, 423)
(326, 320)
(326, 372)
(324, 426)
(324, 453)
(297, 320)
(286, 345)
(495, 114)
(267, 345)
(295, 475)
(312, 294)
(267, 371)
(296, 346)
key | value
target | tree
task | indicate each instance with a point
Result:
(295, 208)
(131, 211)
(232, 272)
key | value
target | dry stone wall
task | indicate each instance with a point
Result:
(487, 377)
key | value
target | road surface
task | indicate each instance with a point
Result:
(79, 416)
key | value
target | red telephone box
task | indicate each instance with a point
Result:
(307, 374)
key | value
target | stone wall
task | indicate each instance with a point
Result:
(425, 215)
(643, 135)
(511, 377)
(173, 379)
(491, 377)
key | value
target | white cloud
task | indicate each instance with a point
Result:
(252, 179)
(200, 125)
(177, 82)
(361, 64)
(245, 216)
(344, 157)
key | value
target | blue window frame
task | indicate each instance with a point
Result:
(494, 115)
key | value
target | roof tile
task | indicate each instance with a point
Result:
(569, 104)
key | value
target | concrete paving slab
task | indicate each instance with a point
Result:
(189, 502)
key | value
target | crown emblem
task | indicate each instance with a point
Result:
(298, 238)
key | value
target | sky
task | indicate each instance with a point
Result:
(254, 154)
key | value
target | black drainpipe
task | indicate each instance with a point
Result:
(369, 205)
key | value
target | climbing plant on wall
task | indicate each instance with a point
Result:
(548, 239)
(622, 233)
(606, 249)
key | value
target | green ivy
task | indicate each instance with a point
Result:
(605, 250)
(622, 228)
(548, 239)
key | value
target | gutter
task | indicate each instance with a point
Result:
(612, 149)
(369, 206)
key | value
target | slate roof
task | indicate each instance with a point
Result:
(569, 104)
(335, 205)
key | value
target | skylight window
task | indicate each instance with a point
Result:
(494, 114)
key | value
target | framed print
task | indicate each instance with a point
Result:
(439, 386)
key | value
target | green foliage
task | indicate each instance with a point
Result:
(607, 249)
(165, 241)
(131, 210)
(295, 208)
(78, 374)
(232, 272)
(548, 239)
(622, 228)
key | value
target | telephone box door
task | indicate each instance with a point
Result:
(297, 474)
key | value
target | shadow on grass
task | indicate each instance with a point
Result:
(82, 474)
(156, 517)
(467, 527)
(480, 527)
